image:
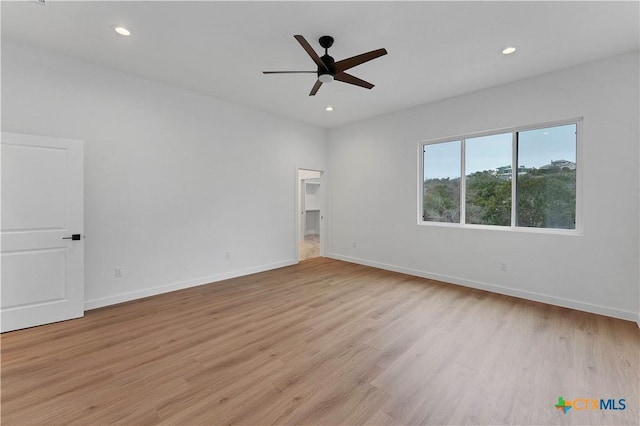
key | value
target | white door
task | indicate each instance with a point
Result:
(42, 209)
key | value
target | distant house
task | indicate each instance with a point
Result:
(559, 164)
(505, 172)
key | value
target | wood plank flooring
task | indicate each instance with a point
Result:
(309, 247)
(324, 343)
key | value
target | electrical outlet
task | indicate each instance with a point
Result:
(117, 272)
(354, 244)
(227, 255)
(503, 266)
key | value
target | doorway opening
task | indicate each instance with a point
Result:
(310, 213)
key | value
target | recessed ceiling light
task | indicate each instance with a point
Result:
(329, 108)
(508, 50)
(122, 30)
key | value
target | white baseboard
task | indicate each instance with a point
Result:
(528, 295)
(139, 294)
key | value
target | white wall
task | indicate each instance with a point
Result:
(173, 179)
(374, 178)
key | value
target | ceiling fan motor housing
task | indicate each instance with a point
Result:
(326, 42)
(330, 63)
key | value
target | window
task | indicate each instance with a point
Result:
(442, 182)
(524, 178)
(488, 180)
(546, 187)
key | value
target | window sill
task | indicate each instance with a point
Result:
(518, 229)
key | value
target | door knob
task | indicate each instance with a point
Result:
(74, 237)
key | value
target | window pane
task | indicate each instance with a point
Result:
(546, 182)
(488, 180)
(441, 199)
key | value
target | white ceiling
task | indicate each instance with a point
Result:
(436, 49)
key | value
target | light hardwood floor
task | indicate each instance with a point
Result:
(309, 247)
(323, 342)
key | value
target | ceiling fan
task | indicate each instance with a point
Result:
(328, 68)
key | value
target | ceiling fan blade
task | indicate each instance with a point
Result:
(348, 78)
(306, 46)
(345, 64)
(315, 88)
(289, 72)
